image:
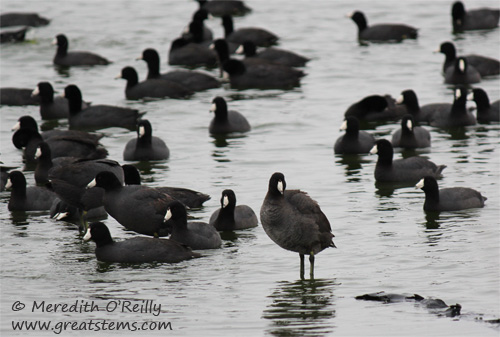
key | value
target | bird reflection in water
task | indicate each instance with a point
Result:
(302, 308)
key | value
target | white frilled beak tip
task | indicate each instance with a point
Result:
(16, 126)
(225, 201)
(240, 50)
(61, 216)
(400, 99)
(420, 184)
(91, 184)
(38, 153)
(343, 126)
(280, 186)
(374, 150)
(168, 216)
(35, 92)
(8, 184)
(87, 236)
(213, 107)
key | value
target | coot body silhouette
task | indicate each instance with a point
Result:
(192, 80)
(151, 88)
(188, 197)
(190, 54)
(474, 19)
(226, 121)
(22, 19)
(461, 73)
(486, 66)
(231, 216)
(457, 116)
(220, 8)
(137, 249)
(294, 221)
(260, 37)
(146, 146)
(195, 234)
(411, 136)
(382, 32)
(136, 207)
(354, 141)
(376, 108)
(32, 198)
(448, 199)
(67, 58)
(410, 101)
(407, 170)
(13, 36)
(274, 55)
(486, 112)
(17, 97)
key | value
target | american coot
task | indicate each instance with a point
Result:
(354, 141)
(190, 198)
(52, 107)
(411, 136)
(457, 116)
(461, 73)
(100, 116)
(199, 18)
(420, 114)
(4, 175)
(22, 198)
(376, 108)
(186, 53)
(136, 207)
(22, 19)
(263, 76)
(274, 55)
(381, 32)
(44, 163)
(195, 234)
(17, 97)
(193, 80)
(67, 58)
(223, 7)
(448, 199)
(226, 121)
(62, 211)
(260, 37)
(151, 88)
(135, 250)
(294, 221)
(145, 146)
(231, 217)
(66, 143)
(13, 36)
(405, 170)
(486, 112)
(486, 66)
(474, 19)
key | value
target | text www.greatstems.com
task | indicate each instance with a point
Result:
(90, 325)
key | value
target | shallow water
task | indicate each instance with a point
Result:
(251, 287)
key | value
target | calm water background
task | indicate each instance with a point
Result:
(251, 286)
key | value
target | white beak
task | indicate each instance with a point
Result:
(16, 126)
(343, 126)
(374, 150)
(8, 184)
(38, 153)
(400, 99)
(35, 92)
(240, 50)
(280, 186)
(141, 131)
(225, 201)
(420, 184)
(54, 42)
(409, 125)
(461, 65)
(87, 236)
(168, 215)
(470, 96)
(92, 184)
(213, 107)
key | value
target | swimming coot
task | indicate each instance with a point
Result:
(32, 198)
(461, 73)
(457, 115)
(195, 234)
(354, 141)
(274, 55)
(231, 217)
(294, 221)
(17, 96)
(260, 37)
(474, 19)
(184, 52)
(22, 19)
(410, 169)
(381, 32)
(151, 88)
(145, 147)
(137, 249)
(486, 66)
(448, 199)
(226, 121)
(376, 108)
(223, 7)
(67, 58)
(486, 112)
(411, 136)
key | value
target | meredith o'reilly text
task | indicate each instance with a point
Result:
(84, 306)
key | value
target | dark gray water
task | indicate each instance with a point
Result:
(251, 287)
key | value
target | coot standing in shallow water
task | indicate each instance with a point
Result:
(448, 199)
(295, 222)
